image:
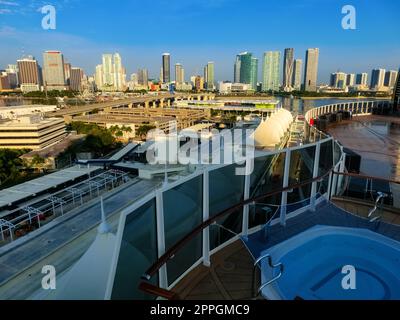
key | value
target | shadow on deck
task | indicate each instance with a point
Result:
(228, 278)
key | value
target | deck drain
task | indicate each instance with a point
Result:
(228, 266)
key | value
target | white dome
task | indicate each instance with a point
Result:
(270, 132)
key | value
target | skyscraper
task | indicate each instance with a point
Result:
(311, 70)
(377, 78)
(236, 70)
(362, 79)
(143, 77)
(54, 72)
(166, 68)
(99, 76)
(288, 68)
(67, 72)
(119, 73)
(390, 78)
(209, 76)
(12, 74)
(271, 68)
(296, 82)
(245, 67)
(113, 73)
(179, 74)
(338, 80)
(254, 73)
(76, 79)
(396, 94)
(351, 78)
(108, 70)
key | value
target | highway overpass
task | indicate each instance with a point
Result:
(162, 100)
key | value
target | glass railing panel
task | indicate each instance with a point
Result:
(183, 212)
(301, 170)
(138, 251)
(226, 190)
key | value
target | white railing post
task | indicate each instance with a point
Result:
(246, 196)
(342, 167)
(315, 175)
(286, 176)
(206, 215)
(162, 273)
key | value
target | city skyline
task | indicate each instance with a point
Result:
(142, 49)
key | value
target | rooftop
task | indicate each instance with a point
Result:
(39, 185)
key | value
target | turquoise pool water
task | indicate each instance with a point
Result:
(313, 263)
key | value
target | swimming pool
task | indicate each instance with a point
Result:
(313, 262)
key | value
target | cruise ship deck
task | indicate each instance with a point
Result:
(205, 231)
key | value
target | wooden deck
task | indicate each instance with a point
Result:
(228, 278)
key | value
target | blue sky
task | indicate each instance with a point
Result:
(197, 31)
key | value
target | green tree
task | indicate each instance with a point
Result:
(143, 130)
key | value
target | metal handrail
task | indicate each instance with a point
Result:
(170, 253)
(272, 266)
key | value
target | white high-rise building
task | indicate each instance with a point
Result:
(119, 73)
(179, 74)
(390, 78)
(378, 78)
(107, 71)
(338, 80)
(362, 79)
(99, 76)
(113, 73)
(351, 79)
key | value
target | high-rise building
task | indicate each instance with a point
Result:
(99, 76)
(67, 72)
(245, 59)
(53, 70)
(271, 65)
(166, 68)
(209, 76)
(143, 77)
(396, 94)
(134, 78)
(12, 74)
(107, 71)
(29, 74)
(76, 79)
(236, 70)
(338, 80)
(390, 78)
(362, 79)
(351, 78)
(377, 78)
(113, 73)
(4, 82)
(254, 73)
(311, 70)
(119, 73)
(296, 82)
(199, 83)
(288, 68)
(179, 74)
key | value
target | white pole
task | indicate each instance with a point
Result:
(162, 275)
(285, 185)
(206, 215)
(315, 175)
